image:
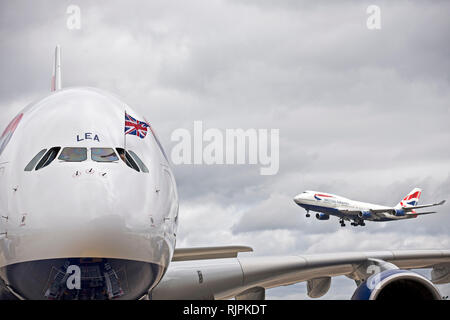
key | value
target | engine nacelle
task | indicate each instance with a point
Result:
(365, 214)
(322, 216)
(399, 212)
(396, 285)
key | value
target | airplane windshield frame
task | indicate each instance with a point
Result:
(48, 158)
(139, 161)
(30, 166)
(80, 154)
(125, 156)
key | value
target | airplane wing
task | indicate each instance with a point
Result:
(249, 277)
(356, 212)
(392, 210)
(407, 209)
(347, 211)
(201, 253)
(419, 213)
(425, 206)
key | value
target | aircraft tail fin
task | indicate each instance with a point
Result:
(56, 78)
(411, 199)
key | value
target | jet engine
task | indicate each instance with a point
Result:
(322, 216)
(365, 214)
(393, 285)
(399, 212)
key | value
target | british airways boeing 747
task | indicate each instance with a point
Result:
(326, 204)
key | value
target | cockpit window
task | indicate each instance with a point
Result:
(139, 161)
(125, 156)
(73, 154)
(35, 159)
(48, 158)
(76, 154)
(103, 155)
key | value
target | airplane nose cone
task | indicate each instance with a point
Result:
(297, 199)
(81, 279)
(90, 216)
(92, 222)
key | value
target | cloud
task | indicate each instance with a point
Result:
(277, 212)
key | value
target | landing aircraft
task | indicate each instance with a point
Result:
(89, 210)
(327, 204)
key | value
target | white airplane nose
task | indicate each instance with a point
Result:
(87, 223)
(73, 199)
(89, 216)
(298, 199)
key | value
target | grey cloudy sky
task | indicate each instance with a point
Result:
(362, 113)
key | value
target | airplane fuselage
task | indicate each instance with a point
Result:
(90, 208)
(330, 204)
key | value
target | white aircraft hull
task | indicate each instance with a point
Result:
(72, 210)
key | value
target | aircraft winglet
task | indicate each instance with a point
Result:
(56, 78)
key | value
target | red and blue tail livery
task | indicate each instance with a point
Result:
(411, 199)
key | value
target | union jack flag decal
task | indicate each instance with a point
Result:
(135, 127)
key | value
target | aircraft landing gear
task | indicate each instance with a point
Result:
(307, 214)
(342, 222)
